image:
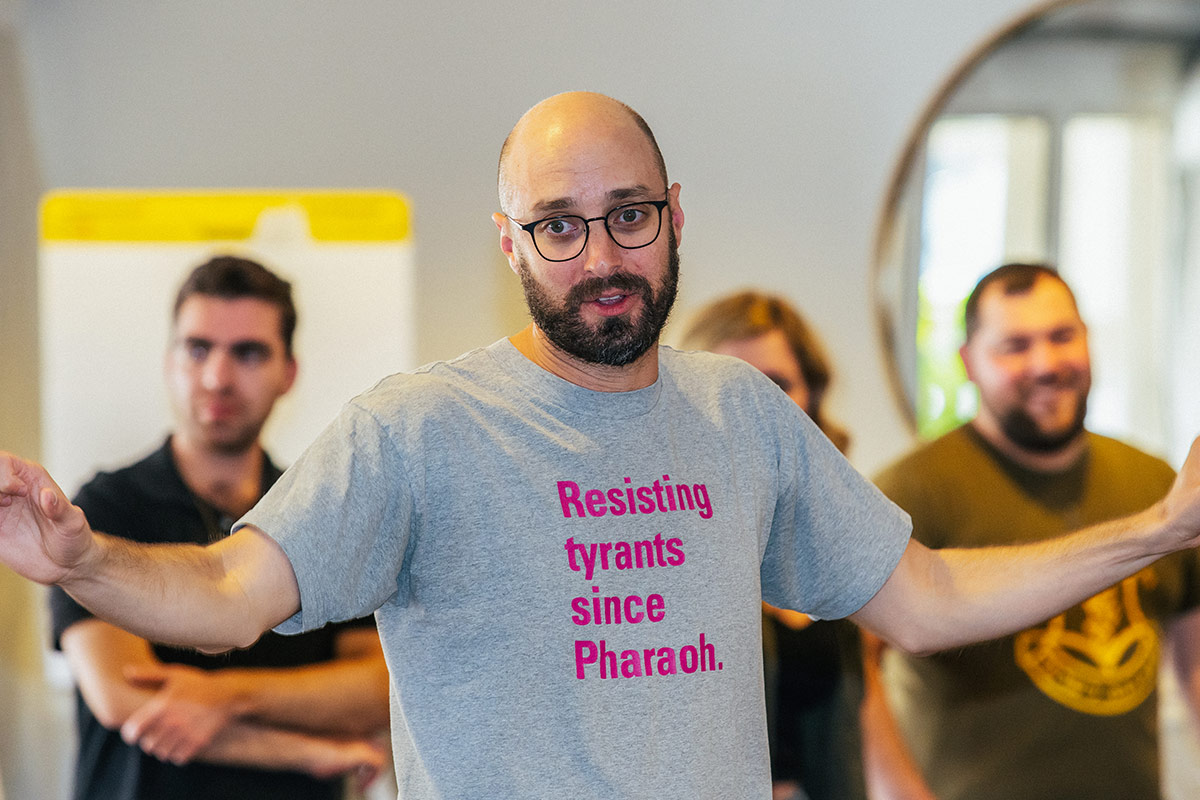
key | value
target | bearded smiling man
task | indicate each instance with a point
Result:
(1027, 353)
(1065, 709)
(567, 535)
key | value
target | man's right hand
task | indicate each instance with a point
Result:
(43, 536)
(358, 759)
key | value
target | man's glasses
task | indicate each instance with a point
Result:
(564, 236)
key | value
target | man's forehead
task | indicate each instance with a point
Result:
(575, 151)
(228, 319)
(1047, 303)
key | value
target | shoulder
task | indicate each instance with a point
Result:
(701, 373)
(430, 385)
(934, 461)
(146, 501)
(152, 479)
(1126, 466)
(732, 395)
(1114, 452)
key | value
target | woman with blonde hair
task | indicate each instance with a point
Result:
(768, 332)
(813, 669)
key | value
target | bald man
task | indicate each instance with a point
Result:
(568, 533)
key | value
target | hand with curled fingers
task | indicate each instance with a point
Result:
(187, 712)
(43, 537)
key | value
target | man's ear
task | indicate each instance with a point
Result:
(506, 241)
(289, 376)
(964, 354)
(676, 212)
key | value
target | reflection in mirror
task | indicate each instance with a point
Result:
(1073, 138)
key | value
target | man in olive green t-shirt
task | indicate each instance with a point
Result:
(1067, 709)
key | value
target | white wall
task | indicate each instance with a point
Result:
(781, 120)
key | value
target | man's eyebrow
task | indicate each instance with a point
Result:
(638, 191)
(557, 204)
(240, 347)
(244, 348)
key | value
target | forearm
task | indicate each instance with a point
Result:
(98, 654)
(1184, 649)
(178, 594)
(342, 697)
(890, 770)
(248, 744)
(939, 599)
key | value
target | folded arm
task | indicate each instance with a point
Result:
(201, 727)
(346, 696)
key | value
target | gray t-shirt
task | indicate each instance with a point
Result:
(568, 582)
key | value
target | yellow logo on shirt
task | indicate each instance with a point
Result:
(1100, 657)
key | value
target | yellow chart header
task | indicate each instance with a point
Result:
(221, 215)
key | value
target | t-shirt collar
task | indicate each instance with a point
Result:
(546, 385)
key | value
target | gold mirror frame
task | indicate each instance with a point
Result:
(884, 252)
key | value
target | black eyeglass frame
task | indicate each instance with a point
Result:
(587, 227)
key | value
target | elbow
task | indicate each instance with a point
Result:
(915, 639)
(112, 705)
(109, 714)
(246, 636)
(234, 640)
(920, 650)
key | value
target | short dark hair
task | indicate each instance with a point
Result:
(1014, 278)
(234, 277)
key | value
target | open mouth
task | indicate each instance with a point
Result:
(612, 304)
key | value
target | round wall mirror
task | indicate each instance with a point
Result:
(1072, 137)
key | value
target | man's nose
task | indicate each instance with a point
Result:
(602, 255)
(1046, 358)
(217, 371)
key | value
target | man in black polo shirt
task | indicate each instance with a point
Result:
(285, 718)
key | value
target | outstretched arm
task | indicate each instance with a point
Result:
(938, 599)
(213, 598)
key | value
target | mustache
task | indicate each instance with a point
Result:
(590, 288)
(1059, 379)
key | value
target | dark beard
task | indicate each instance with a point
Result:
(1021, 429)
(616, 341)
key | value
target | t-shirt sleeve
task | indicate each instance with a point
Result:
(835, 538)
(341, 514)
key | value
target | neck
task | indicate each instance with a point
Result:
(534, 345)
(1058, 460)
(230, 481)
